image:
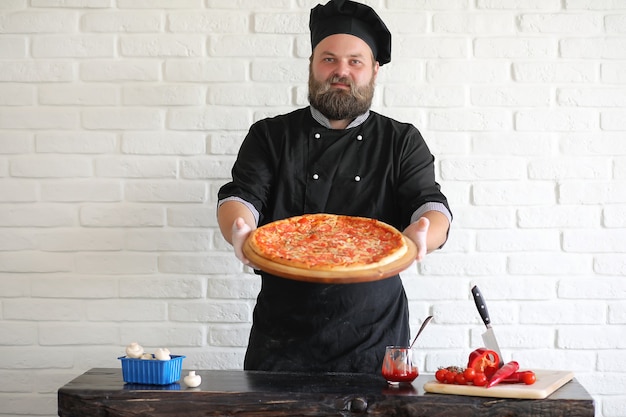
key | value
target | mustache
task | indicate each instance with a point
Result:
(336, 79)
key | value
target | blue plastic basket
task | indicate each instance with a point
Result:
(151, 371)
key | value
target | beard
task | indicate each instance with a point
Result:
(339, 104)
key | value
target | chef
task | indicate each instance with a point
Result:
(335, 156)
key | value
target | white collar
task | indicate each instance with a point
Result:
(324, 121)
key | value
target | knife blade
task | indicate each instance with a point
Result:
(489, 337)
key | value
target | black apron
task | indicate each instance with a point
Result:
(300, 326)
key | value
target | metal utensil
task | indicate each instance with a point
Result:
(489, 337)
(428, 319)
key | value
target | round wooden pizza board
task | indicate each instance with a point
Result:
(333, 277)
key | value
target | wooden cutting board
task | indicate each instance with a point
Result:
(547, 382)
(333, 277)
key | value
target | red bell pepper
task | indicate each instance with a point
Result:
(482, 358)
(501, 374)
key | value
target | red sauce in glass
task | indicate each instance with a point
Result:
(396, 375)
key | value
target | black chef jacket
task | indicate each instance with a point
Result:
(291, 165)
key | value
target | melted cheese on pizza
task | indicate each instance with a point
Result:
(329, 242)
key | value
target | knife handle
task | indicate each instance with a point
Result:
(481, 306)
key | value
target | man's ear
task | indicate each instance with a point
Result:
(376, 68)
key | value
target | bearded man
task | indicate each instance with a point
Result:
(334, 156)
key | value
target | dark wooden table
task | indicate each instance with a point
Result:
(101, 392)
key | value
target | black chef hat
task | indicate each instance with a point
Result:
(345, 16)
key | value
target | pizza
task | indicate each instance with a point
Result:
(328, 242)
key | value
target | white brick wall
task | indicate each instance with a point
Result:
(119, 120)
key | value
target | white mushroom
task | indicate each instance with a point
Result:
(162, 354)
(134, 350)
(192, 380)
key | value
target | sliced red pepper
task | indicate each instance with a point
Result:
(490, 370)
(527, 377)
(501, 374)
(482, 358)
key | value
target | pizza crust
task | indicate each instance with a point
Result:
(329, 242)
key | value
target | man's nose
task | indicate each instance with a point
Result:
(342, 69)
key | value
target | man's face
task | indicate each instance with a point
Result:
(342, 75)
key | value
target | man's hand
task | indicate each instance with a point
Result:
(418, 233)
(240, 233)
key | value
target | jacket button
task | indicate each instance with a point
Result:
(357, 178)
(317, 136)
(359, 137)
(316, 177)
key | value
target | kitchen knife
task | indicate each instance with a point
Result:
(489, 337)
